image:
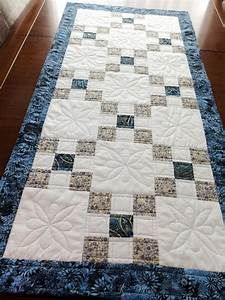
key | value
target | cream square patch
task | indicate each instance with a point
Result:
(71, 120)
(120, 251)
(49, 225)
(190, 228)
(175, 126)
(126, 88)
(123, 166)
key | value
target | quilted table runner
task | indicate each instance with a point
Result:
(115, 187)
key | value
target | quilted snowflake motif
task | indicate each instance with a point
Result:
(73, 121)
(123, 166)
(126, 88)
(50, 225)
(191, 228)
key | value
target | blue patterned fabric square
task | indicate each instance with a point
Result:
(63, 162)
(128, 20)
(126, 60)
(163, 41)
(125, 121)
(121, 225)
(80, 84)
(183, 170)
(89, 35)
(172, 91)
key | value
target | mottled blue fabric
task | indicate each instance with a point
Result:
(79, 84)
(63, 162)
(172, 91)
(125, 121)
(106, 281)
(126, 60)
(163, 41)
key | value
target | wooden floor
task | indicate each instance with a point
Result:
(18, 87)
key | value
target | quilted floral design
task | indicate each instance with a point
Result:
(126, 88)
(70, 120)
(198, 235)
(123, 162)
(127, 39)
(84, 57)
(48, 228)
(175, 126)
(167, 64)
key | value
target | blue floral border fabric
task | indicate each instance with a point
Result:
(108, 281)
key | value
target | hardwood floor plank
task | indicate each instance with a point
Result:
(214, 63)
(17, 36)
(16, 93)
(211, 34)
(220, 9)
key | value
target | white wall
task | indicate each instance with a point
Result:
(12, 9)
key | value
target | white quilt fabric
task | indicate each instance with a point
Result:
(122, 173)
